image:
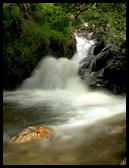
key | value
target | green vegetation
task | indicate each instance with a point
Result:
(106, 20)
(31, 31)
(34, 30)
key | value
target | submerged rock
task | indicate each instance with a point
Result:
(32, 133)
(117, 130)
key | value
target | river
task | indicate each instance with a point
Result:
(88, 126)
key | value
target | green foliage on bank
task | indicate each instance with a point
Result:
(106, 20)
(30, 32)
(34, 30)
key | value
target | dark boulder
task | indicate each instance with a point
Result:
(115, 74)
(98, 47)
(105, 70)
(101, 60)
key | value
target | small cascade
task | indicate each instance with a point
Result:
(52, 73)
(83, 48)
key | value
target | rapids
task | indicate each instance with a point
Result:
(55, 97)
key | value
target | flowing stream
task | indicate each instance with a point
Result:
(88, 126)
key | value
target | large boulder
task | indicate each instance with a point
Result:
(32, 133)
(105, 70)
(98, 47)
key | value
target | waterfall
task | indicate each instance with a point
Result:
(83, 48)
(82, 120)
(55, 84)
(52, 73)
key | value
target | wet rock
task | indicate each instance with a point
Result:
(32, 133)
(98, 47)
(115, 74)
(105, 70)
(101, 60)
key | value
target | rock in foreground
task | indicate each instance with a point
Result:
(32, 133)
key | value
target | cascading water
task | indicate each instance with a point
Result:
(51, 73)
(54, 73)
(83, 46)
(55, 97)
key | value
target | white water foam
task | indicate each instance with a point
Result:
(55, 82)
